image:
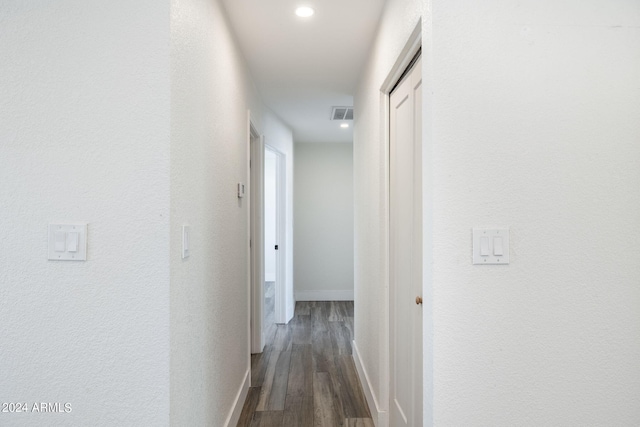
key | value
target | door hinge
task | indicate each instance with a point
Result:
(276, 247)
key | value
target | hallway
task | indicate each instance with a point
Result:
(306, 375)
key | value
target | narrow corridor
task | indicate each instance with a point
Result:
(306, 376)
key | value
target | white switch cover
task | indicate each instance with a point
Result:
(497, 251)
(60, 241)
(68, 242)
(73, 238)
(484, 246)
(186, 231)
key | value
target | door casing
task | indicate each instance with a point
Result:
(405, 250)
(412, 46)
(281, 254)
(256, 237)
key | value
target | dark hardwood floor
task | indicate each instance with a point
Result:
(306, 376)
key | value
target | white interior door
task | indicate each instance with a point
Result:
(405, 248)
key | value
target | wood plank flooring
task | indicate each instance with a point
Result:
(306, 376)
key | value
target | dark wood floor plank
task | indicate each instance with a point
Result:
(301, 326)
(334, 315)
(270, 332)
(270, 335)
(303, 308)
(326, 414)
(282, 340)
(340, 338)
(322, 351)
(352, 397)
(299, 411)
(338, 310)
(267, 384)
(359, 422)
(259, 363)
(306, 375)
(348, 323)
(267, 419)
(319, 316)
(278, 392)
(249, 407)
(350, 308)
(325, 309)
(300, 372)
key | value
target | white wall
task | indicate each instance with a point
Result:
(84, 107)
(110, 115)
(270, 211)
(209, 156)
(323, 212)
(279, 137)
(371, 221)
(530, 123)
(550, 92)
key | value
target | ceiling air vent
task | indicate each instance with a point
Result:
(342, 113)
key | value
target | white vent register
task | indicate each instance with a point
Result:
(342, 113)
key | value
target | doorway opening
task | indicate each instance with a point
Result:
(268, 239)
(274, 239)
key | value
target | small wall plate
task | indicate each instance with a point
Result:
(57, 231)
(490, 234)
(186, 241)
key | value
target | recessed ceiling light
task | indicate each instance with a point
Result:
(344, 125)
(304, 12)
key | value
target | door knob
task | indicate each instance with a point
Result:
(418, 300)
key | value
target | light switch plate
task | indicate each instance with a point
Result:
(64, 250)
(186, 244)
(491, 234)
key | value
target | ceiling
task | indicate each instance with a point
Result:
(304, 66)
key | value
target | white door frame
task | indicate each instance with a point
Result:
(411, 48)
(256, 237)
(281, 236)
(257, 148)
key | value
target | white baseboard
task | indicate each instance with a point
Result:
(380, 418)
(234, 416)
(335, 295)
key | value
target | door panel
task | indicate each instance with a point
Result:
(405, 257)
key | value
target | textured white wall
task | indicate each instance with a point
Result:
(535, 127)
(279, 136)
(211, 93)
(84, 107)
(530, 123)
(397, 23)
(323, 209)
